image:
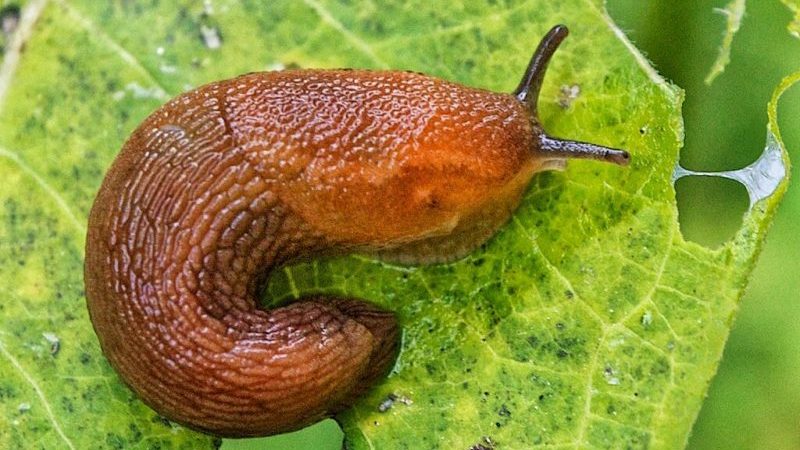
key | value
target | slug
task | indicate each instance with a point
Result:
(232, 180)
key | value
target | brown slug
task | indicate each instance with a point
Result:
(225, 183)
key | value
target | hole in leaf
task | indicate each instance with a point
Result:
(710, 208)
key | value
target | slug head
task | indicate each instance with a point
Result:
(493, 173)
(453, 160)
(494, 161)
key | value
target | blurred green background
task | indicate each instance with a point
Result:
(754, 402)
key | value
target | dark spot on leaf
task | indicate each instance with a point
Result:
(504, 411)
(88, 395)
(67, 405)
(136, 434)
(115, 441)
(661, 367)
(163, 421)
(7, 392)
(374, 26)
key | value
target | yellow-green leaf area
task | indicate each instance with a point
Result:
(586, 322)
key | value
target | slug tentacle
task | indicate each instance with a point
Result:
(531, 83)
(528, 93)
(566, 149)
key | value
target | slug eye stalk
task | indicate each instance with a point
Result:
(531, 83)
(566, 149)
(528, 91)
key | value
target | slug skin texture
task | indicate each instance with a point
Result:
(225, 183)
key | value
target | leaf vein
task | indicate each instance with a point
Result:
(359, 43)
(57, 198)
(39, 393)
(454, 29)
(120, 51)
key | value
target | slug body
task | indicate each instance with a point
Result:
(225, 183)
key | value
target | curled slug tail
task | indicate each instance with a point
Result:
(561, 149)
(531, 83)
(385, 331)
(322, 353)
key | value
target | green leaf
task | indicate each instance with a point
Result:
(733, 12)
(587, 321)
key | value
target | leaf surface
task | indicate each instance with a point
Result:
(586, 322)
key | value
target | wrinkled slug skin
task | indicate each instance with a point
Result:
(227, 182)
